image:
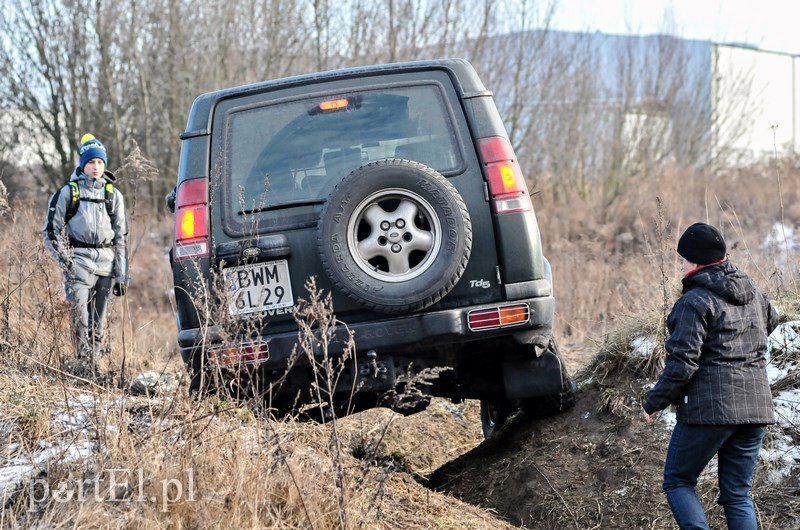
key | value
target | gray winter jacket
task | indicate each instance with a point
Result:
(716, 370)
(93, 242)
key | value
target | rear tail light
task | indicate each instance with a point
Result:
(191, 219)
(507, 189)
(250, 353)
(498, 317)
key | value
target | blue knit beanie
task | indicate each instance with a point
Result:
(91, 148)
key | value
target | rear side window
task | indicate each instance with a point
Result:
(294, 152)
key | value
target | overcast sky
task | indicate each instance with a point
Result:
(772, 25)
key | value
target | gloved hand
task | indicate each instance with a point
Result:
(170, 200)
(119, 289)
(66, 267)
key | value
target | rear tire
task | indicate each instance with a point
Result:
(494, 415)
(202, 382)
(544, 406)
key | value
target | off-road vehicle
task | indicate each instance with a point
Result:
(396, 188)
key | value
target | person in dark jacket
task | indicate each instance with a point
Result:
(86, 232)
(716, 377)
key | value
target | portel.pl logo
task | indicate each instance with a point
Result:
(114, 485)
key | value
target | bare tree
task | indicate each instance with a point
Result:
(43, 76)
(586, 113)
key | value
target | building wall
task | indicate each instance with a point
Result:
(772, 115)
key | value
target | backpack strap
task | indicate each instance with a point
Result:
(75, 199)
(74, 243)
(109, 200)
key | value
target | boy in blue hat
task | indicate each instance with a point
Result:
(86, 232)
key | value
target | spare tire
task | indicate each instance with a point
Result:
(395, 236)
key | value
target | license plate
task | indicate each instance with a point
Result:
(258, 287)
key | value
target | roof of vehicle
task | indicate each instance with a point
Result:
(464, 76)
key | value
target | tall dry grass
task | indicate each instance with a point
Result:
(612, 262)
(169, 461)
(100, 457)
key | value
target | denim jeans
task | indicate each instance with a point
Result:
(691, 448)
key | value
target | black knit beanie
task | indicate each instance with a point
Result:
(702, 244)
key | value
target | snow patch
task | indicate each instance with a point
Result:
(644, 346)
(781, 236)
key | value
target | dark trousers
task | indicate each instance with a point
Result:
(691, 448)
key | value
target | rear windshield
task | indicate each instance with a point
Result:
(294, 152)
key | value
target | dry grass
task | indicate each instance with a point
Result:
(173, 463)
(3, 198)
(214, 463)
(117, 460)
(612, 260)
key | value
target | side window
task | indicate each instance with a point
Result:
(296, 151)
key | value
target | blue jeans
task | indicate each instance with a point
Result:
(691, 448)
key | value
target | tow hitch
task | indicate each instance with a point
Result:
(374, 373)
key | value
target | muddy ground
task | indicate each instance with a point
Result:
(597, 465)
(581, 469)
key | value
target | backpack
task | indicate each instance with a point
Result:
(75, 198)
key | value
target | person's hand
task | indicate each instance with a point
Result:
(650, 417)
(169, 199)
(66, 267)
(119, 289)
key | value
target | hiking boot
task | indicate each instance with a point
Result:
(84, 368)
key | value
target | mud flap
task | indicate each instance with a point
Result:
(534, 376)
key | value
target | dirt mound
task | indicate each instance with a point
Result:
(598, 465)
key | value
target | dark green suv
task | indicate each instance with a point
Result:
(395, 188)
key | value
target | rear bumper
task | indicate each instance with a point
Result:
(439, 328)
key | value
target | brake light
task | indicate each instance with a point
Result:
(507, 188)
(498, 317)
(191, 219)
(252, 353)
(333, 104)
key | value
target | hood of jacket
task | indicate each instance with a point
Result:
(725, 280)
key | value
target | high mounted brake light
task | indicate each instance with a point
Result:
(333, 104)
(507, 188)
(349, 103)
(191, 219)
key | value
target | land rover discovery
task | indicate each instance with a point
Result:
(396, 189)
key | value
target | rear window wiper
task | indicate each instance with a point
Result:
(282, 206)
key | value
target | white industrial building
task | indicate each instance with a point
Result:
(774, 80)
